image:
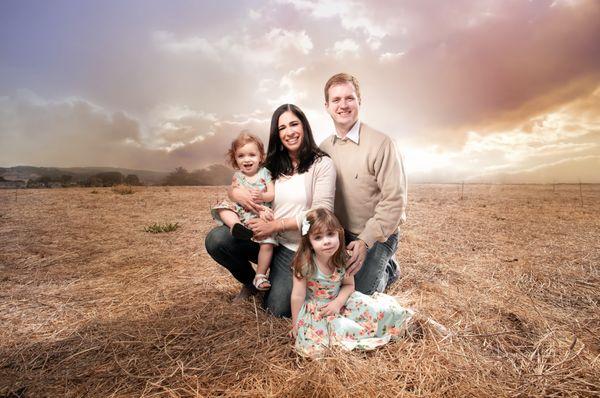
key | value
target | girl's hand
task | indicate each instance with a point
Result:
(266, 214)
(262, 229)
(294, 332)
(331, 308)
(257, 195)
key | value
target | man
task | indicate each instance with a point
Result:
(370, 198)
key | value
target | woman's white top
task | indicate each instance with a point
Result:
(290, 200)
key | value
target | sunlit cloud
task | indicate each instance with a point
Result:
(568, 138)
(391, 57)
(173, 126)
(291, 92)
(267, 49)
(254, 14)
(346, 47)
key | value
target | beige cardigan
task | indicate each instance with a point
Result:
(319, 182)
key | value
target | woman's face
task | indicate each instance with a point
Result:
(291, 132)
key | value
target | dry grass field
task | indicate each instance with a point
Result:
(92, 305)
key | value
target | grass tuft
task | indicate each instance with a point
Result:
(160, 228)
(123, 189)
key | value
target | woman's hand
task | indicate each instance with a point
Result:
(262, 229)
(244, 197)
(331, 308)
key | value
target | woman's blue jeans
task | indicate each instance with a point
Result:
(236, 254)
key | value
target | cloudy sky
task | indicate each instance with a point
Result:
(471, 90)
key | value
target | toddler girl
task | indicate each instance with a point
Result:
(246, 155)
(326, 311)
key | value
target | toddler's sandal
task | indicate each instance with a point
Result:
(261, 280)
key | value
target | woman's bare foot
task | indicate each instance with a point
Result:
(244, 293)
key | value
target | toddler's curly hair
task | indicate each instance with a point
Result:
(241, 140)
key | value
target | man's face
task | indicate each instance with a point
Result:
(343, 105)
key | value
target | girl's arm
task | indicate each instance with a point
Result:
(264, 196)
(334, 306)
(297, 299)
(269, 194)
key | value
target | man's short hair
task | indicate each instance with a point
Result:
(342, 78)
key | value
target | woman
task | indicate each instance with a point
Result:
(304, 178)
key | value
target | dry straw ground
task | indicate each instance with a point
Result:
(91, 305)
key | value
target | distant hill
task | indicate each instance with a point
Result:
(215, 174)
(78, 173)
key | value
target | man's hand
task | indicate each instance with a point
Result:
(331, 308)
(358, 253)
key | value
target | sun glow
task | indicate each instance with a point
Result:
(425, 160)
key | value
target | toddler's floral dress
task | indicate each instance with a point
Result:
(364, 322)
(264, 177)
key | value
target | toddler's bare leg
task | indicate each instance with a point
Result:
(229, 217)
(264, 260)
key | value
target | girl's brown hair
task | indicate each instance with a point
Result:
(320, 220)
(240, 141)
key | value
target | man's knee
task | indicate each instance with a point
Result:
(369, 287)
(372, 276)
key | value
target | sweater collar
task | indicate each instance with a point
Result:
(353, 135)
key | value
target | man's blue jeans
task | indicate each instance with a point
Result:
(236, 255)
(379, 266)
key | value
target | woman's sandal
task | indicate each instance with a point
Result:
(261, 279)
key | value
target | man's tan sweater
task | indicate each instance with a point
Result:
(370, 195)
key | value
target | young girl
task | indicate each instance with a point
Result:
(326, 311)
(246, 155)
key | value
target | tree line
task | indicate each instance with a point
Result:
(212, 175)
(104, 179)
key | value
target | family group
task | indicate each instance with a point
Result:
(321, 222)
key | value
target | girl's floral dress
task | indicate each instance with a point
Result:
(364, 322)
(264, 177)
